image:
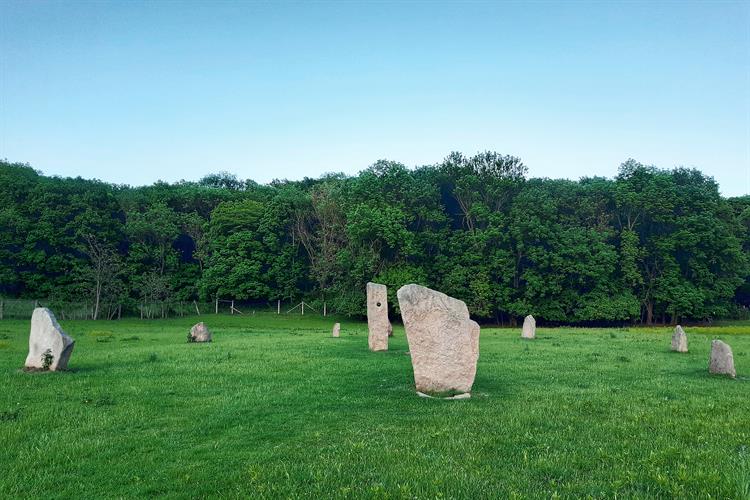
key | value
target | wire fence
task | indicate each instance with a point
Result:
(67, 310)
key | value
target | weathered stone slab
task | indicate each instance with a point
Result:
(529, 327)
(336, 330)
(48, 340)
(679, 340)
(722, 360)
(200, 333)
(443, 341)
(377, 317)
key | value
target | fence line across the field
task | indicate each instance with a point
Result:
(70, 310)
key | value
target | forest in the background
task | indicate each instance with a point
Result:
(651, 245)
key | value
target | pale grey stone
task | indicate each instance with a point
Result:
(443, 340)
(722, 360)
(336, 330)
(47, 336)
(377, 317)
(200, 333)
(679, 340)
(465, 395)
(529, 327)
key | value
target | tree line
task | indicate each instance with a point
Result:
(651, 245)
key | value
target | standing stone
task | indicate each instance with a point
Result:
(48, 340)
(443, 340)
(377, 317)
(529, 328)
(722, 361)
(679, 340)
(200, 333)
(336, 330)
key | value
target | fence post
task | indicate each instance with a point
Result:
(196, 308)
(1, 309)
(278, 308)
(217, 304)
(303, 308)
(324, 309)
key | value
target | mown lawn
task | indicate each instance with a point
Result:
(274, 407)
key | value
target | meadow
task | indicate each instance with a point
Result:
(275, 407)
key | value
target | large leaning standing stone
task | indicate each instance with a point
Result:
(336, 330)
(529, 327)
(679, 340)
(200, 333)
(48, 337)
(722, 360)
(443, 340)
(377, 317)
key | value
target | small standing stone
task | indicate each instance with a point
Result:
(529, 327)
(679, 340)
(336, 330)
(378, 324)
(200, 333)
(49, 346)
(443, 341)
(722, 360)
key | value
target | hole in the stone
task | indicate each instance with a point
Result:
(378, 304)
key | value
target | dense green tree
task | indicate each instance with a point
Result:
(650, 245)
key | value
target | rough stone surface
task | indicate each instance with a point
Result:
(722, 360)
(679, 340)
(200, 333)
(46, 335)
(377, 317)
(336, 330)
(529, 327)
(443, 340)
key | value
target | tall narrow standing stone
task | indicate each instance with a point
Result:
(336, 330)
(722, 360)
(377, 317)
(529, 327)
(679, 340)
(443, 340)
(47, 338)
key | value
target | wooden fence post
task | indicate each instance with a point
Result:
(217, 304)
(324, 309)
(196, 308)
(303, 308)
(278, 308)
(232, 310)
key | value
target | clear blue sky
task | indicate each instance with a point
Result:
(132, 92)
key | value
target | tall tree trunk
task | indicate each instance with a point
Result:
(97, 298)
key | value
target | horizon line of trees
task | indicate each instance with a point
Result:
(651, 245)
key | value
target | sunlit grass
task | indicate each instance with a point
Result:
(275, 407)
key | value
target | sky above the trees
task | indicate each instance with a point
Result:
(134, 92)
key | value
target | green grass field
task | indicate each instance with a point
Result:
(274, 407)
